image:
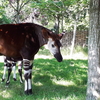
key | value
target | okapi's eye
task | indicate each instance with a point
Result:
(53, 45)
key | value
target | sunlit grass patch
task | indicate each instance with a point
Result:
(5, 94)
(63, 82)
(73, 70)
(67, 77)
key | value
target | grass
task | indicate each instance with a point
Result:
(50, 81)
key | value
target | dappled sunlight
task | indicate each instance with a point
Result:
(38, 84)
(64, 79)
(5, 94)
(63, 82)
(70, 70)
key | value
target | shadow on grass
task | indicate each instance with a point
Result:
(71, 70)
(47, 73)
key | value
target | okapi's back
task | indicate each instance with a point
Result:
(12, 29)
(12, 34)
(14, 37)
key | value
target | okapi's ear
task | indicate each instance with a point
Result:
(60, 35)
(45, 33)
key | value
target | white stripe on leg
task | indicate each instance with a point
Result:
(14, 72)
(26, 87)
(29, 84)
(4, 73)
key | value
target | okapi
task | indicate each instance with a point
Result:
(23, 40)
(10, 64)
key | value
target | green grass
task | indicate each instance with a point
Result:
(51, 81)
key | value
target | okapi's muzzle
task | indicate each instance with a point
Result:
(59, 57)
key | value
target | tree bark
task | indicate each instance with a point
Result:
(93, 84)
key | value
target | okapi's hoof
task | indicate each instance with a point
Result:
(14, 79)
(7, 83)
(28, 92)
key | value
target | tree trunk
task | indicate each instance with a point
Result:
(57, 22)
(62, 23)
(73, 40)
(58, 18)
(18, 12)
(93, 85)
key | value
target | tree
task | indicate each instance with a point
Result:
(76, 15)
(18, 5)
(93, 85)
(50, 9)
(53, 10)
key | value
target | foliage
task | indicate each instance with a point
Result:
(64, 12)
(18, 7)
(3, 17)
(55, 14)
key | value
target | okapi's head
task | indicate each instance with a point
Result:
(53, 43)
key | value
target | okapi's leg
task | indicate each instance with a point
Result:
(28, 64)
(14, 70)
(9, 66)
(5, 68)
(4, 73)
(20, 64)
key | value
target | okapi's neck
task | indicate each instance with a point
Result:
(42, 40)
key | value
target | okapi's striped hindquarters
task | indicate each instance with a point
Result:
(23, 41)
(10, 65)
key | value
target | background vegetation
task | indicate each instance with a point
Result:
(58, 15)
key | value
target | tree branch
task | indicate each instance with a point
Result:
(12, 6)
(56, 5)
(23, 4)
